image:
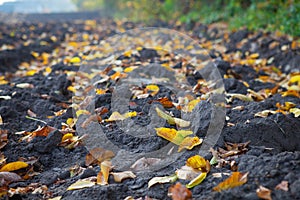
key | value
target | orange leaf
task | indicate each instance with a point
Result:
(180, 192)
(166, 103)
(13, 166)
(236, 179)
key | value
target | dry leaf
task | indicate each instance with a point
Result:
(165, 116)
(169, 134)
(284, 185)
(3, 138)
(236, 179)
(115, 116)
(81, 184)
(164, 179)
(153, 88)
(102, 177)
(13, 166)
(24, 85)
(196, 181)
(179, 192)
(187, 173)
(40, 131)
(295, 111)
(144, 163)
(8, 177)
(1, 120)
(181, 123)
(189, 143)
(120, 176)
(98, 155)
(265, 113)
(165, 102)
(264, 193)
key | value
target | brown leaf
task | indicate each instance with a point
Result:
(3, 138)
(236, 179)
(264, 193)
(284, 185)
(98, 155)
(179, 192)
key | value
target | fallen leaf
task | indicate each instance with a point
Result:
(24, 85)
(264, 193)
(196, 181)
(56, 198)
(165, 116)
(75, 60)
(144, 163)
(115, 116)
(189, 143)
(40, 131)
(120, 176)
(181, 123)
(13, 166)
(265, 113)
(191, 105)
(1, 120)
(169, 134)
(5, 97)
(8, 177)
(165, 102)
(98, 155)
(102, 177)
(235, 180)
(199, 163)
(81, 184)
(295, 111)
(3, 138)
(179, 192)
(240, 96)
(164, 179)
(187, 173)
(153, 88)
(284, 185)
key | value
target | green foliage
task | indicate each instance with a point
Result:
(255, 14)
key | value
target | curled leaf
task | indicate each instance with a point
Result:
(165, 116)
(102, 177)
(196, 181)
(120, 176)
(98, 155)
(199, 163)
(187, 173)
(295, 111)
(189, 143)
(164, 179)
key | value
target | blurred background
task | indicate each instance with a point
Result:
(270, 15)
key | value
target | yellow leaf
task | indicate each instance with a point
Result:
(196, 162)
(102, 177)
(189, 143)
(169, 134)
(295, 79)
(196, 181)
(75, 60)
(67, 137)
(81, 184)
(184, 133)
(165, 116)
(153, 88)
(164, 179)
(71, 88)
(127, 53)
(115, 116)
(295, 111)
(235, 180)
(192, 104)
(119, 176)
(129, 69)
(13, 166)
(80, 112)
(100, 91)
(31, 72)
(130, 114)
(254, 55)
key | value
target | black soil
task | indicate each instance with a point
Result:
(273, 154)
